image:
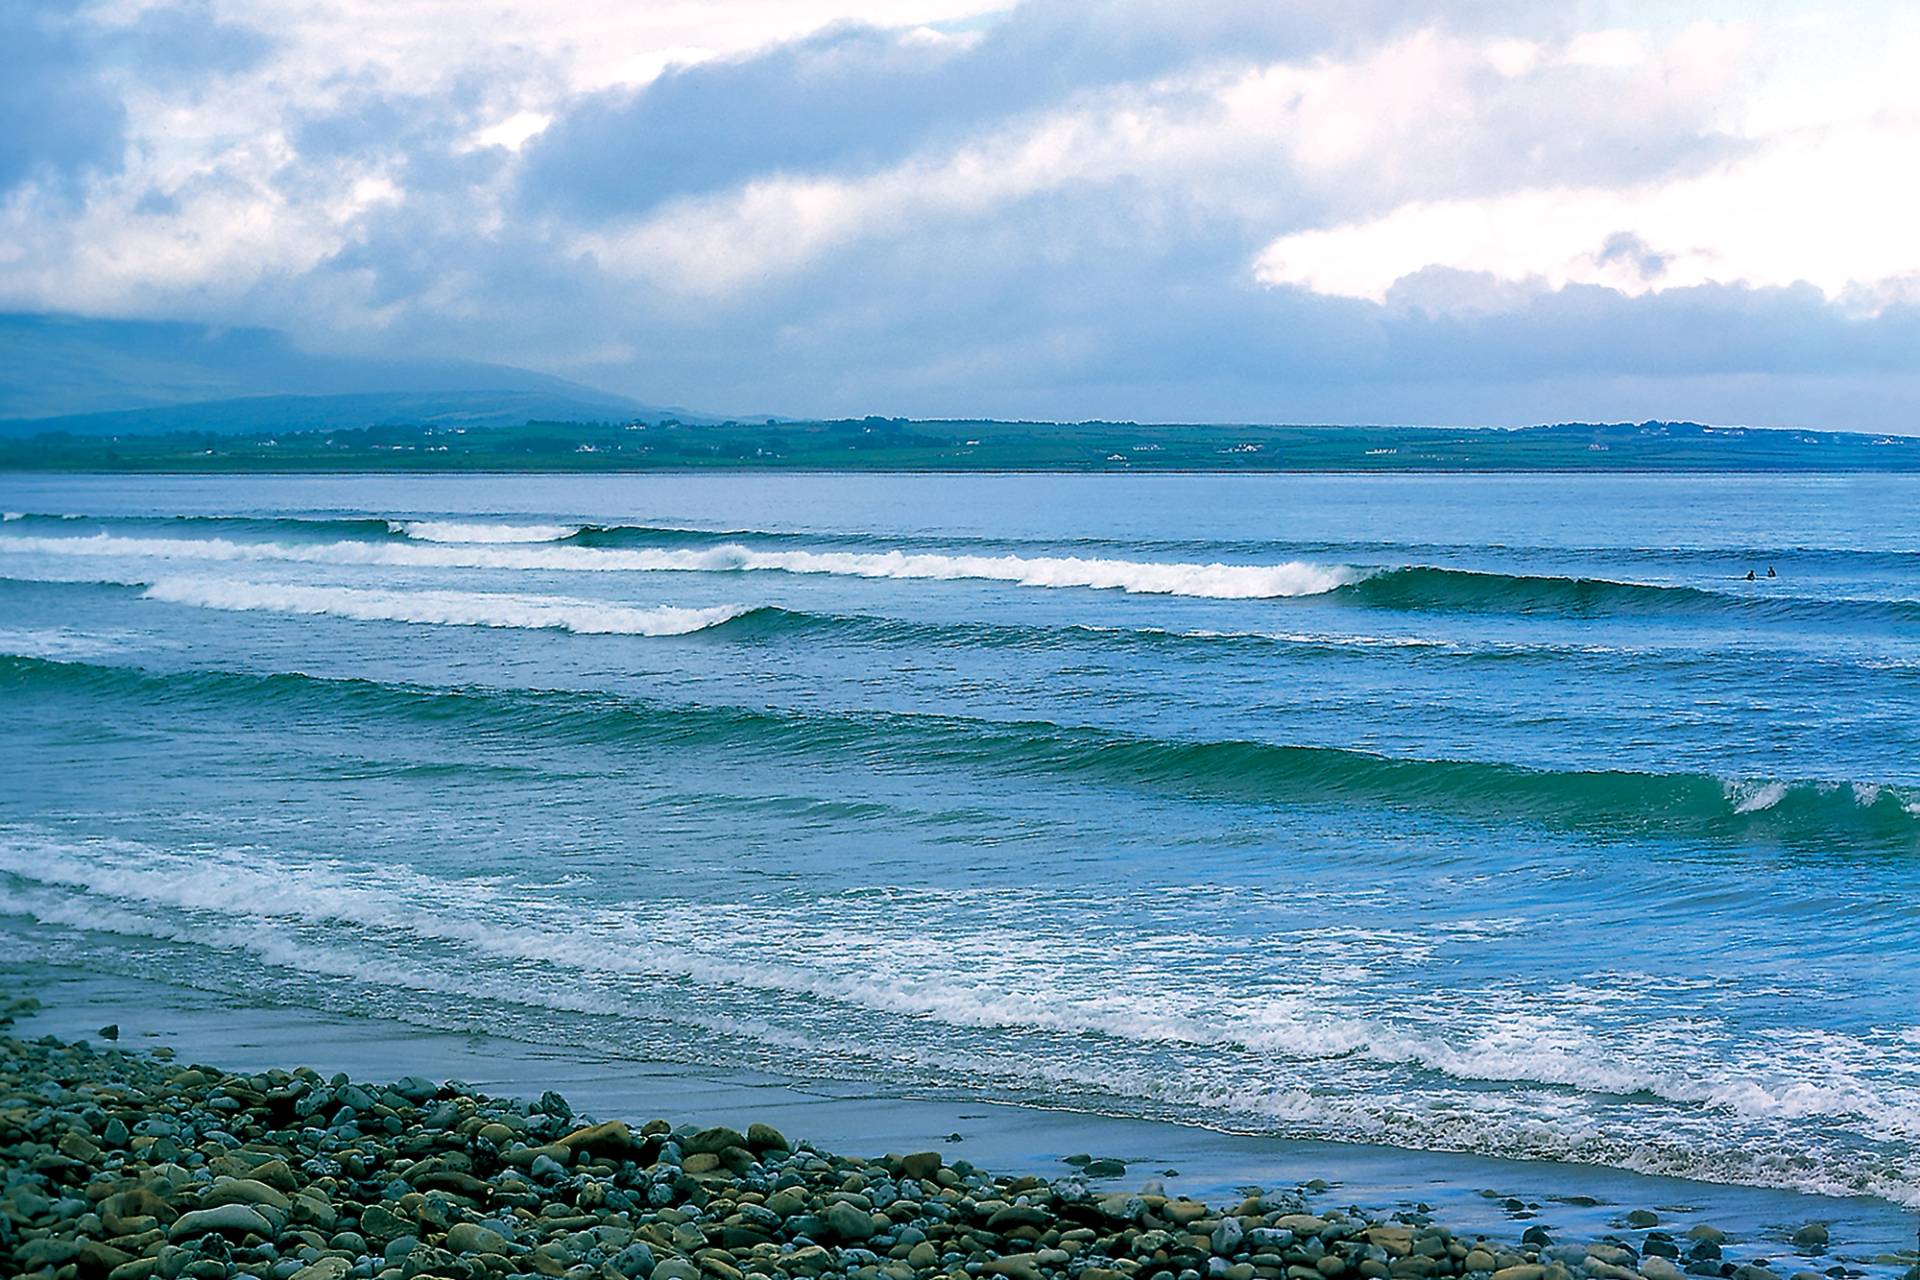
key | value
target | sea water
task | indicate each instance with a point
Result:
(1504, 815)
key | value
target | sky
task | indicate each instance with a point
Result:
(1462, 212)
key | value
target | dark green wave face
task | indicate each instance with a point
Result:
(1495, 815)
(1614, 803)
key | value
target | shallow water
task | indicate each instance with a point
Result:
(1472, 813)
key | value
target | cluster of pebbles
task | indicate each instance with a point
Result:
(132, 1167)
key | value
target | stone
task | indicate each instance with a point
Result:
(1226, 1237)
(1658, 1268)
(611, 1136)
(380, 1223)
(1811, 1236)
(324, 1269)
(1104, 1169)
(764, 1137)
(1523, 1271)
(1640, 1219)
(635, 1261)
(676, 1269)
(239, 1219)
(787, 1202)
(470, 1237)
(415, 1089)
(245, 1191)
(921, 1165)
(849, 1222)
(713, 1141)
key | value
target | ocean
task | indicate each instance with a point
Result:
(1472, 813)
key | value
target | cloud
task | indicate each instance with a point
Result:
(855, 98)
(58, 117)
(182, 43)
(1333, 211)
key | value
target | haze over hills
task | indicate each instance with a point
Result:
(117, 395)
(93, 376)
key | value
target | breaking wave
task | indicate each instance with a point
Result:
(446, 608)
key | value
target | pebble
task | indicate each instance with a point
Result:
(123, 1165)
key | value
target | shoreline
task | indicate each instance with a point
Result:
(1475, 1197)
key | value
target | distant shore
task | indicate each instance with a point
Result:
(132, 1165)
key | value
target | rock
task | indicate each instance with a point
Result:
(238, 1219)
(788, 1202)
(1658, 1268)
(1640, 1219)
(415, 1089)
(713, 1141)
(469, 1237)
(1104, 1169)
(611, 1136)
(1713, 1235)
(1227, 1236)
(764, 1137)
(1521, 1271)
(921, 1165)
(676, 1269)
(381, 1223)
(110, 1032)
(324, 1269)
(1811, 1236)
(245, 1191)
(36, 1255)
(635, 1261)
(1025, 1266)
(849, 1222)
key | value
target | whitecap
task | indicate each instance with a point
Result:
(444, 608)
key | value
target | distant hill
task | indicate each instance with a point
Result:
(91, 376)
(277, 415)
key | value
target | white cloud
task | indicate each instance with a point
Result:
(1135, 197)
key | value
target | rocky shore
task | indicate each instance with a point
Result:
(132, 1166)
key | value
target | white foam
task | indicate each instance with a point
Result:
(444, 608)
(461, 531)
(10, 516)
(1755, 797)
(1261, 1052)
(1216, 581)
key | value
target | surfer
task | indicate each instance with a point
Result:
(1750, 575)
(1771, 573)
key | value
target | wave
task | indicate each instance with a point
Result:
(1614, 803)
(1215, 581)
(1426, 588)
(462, 531)
(445, 608)
(1409, 588)
(1287, 1057)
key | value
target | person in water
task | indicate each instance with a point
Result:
(1771, 573)
(1750, 575)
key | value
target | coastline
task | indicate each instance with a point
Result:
(1754, 1229)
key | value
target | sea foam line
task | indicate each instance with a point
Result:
(1216, 581)
(464, 531)
(445, 608)
(514, 922)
